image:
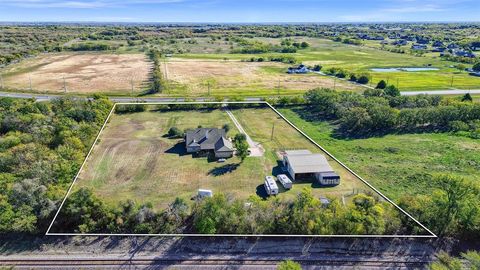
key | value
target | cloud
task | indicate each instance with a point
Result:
(80, 3)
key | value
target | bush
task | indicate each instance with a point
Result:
(317, 68)
(392, 91)
(381, 85)
(175, 132)
(289, 265)
(363, 79)
(353, 77)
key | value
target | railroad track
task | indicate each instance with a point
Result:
(99, 263)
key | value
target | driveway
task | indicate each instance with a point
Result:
(256, 149)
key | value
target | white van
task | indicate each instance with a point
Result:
(270, 185)
(285, 181)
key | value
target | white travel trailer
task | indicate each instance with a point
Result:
(285, 181)
(270, 185)
(202, 193)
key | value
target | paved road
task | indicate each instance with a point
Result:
(46, 97)
(441, 92)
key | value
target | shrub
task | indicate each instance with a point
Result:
(175, 132)
(363, 79)
(353, 77)
(381, 85)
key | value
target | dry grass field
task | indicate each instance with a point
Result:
(193, 77)
(134, 160)
(84, 73)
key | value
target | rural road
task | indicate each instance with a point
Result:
(256, 150)
(46, 97)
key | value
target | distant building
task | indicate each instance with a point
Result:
(438, 44)
(302, 164)
(209, 140)
(419, 47)
(452, 46)
(301, 69)
(463, 53)
(400, 42)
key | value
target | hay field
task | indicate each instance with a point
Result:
(193, 77)
(84, 73)
(133, 160)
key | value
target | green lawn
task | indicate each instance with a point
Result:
(133, 160)
(398, 164)
(361, 59)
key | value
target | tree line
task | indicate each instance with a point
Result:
(42, 146)
(382, 111)
(224, 214)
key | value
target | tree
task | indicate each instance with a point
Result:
(381, 84)
(317, 67)
(175, 132)
(363, 79)
(353, 77)
(467, 97)
(289, 265)
(304, 45)
(226, 127)
(392, 91)
(241, 145)
(476, 67)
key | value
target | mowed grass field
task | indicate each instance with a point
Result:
(133, 160)
(360, 59)
(81, 73)
(196, 77)
(398, 164)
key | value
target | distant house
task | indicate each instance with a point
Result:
(419, 47)
(464, 53)
(452, 46)
(301, 69)
(400, 42)
(438, 44)
(439, 49)
(302, 164)
(205, 140)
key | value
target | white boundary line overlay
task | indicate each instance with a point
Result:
(48, 233)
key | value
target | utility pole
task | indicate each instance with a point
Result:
(451, 82)
(1, 81)
(208, 86)
(273, 130)
(64, 85)
(397, 84)
(30, 79)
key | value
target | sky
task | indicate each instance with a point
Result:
(246, 11)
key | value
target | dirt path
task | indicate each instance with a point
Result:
(256, 149)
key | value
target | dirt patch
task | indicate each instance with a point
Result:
(80, 73)
(198, 75)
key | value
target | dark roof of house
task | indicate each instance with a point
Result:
(208, 139)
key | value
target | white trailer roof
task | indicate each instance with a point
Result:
(308, 163)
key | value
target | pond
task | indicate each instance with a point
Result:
(408, 69)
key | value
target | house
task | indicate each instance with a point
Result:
(301, 69)
(464, 53)
(206, 140)
(400, 42)
(302, 164)
(419, 47)
(439, 49)
(452, 46)
(438, 44)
